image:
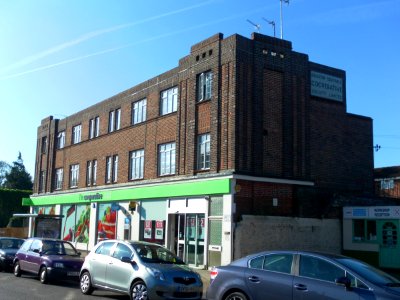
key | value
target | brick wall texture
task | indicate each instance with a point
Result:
(261, 118)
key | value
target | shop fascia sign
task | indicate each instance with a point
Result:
(371, 212)
(91, 197)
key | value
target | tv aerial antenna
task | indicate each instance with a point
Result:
(271, 23)
(287, 2)
(256, 26)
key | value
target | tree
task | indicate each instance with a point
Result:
(4, 168)
(17, 178)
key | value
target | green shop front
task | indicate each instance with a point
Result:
(191, 218)
(371, 234)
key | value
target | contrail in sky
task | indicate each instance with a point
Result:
(132, 44)
(93, 34)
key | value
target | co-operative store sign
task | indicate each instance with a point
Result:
(326, 86)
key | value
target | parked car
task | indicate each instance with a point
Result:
(289, 275)
(8, 247)
(139, 269)
(50, 259)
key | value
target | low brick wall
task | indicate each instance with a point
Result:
(259, 233)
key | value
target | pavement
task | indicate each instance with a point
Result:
(205, 277)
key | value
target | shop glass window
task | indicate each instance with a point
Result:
(114, 120)
(61, 140)
(136, 164)
(166, 159)
(75, 223)
(204, 86)
(76, 134)
(107, 221)
(169, 101)
(152, 231)
(364, 230)
(139, 109)
(74, 176)
(203, 152)
(94, 127)
(59, 178)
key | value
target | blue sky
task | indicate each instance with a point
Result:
(59, 57)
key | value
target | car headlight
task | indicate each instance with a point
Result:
(58, 265)
(155, 273)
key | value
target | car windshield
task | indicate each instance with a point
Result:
(156, 254)
(370, 273)
(10, 243)
(58, 248)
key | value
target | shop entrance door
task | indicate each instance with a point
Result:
(189, 238)
(389, 243)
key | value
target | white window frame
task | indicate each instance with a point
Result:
(204, 86)
(42, 179)
(203, 151)
(59, 178)
(61, 140)
(74, 176)
(136, 164)
(114, 120)
(169, 101)
(94, 127)
(111, 169)
(166, 159)
(139, 110)
(76, 134)
(387, 184)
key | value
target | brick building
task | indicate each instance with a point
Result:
(387, 182)
(240, 127)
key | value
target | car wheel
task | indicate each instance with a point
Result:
(235, 296)
(17, 269)
(86, 284)
(139, 291)
(43, 275)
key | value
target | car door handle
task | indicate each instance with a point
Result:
(254, 279)
(300, 287)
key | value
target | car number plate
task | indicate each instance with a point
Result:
(187, 289)
(73, 274)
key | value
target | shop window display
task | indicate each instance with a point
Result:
(107, 221)
(152, 231)
(75, 224)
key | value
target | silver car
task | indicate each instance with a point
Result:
(140, 269)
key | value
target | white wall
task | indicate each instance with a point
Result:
(259, 233)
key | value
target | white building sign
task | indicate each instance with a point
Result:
(326, 86)
(372, 212)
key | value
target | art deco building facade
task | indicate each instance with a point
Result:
(240, 127)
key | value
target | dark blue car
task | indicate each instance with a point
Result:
(287, 275)
(8, 247)
(49, 259)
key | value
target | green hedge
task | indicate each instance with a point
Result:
(11, 203)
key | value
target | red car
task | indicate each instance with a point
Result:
(50, 259)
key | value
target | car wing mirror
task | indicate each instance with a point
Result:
(37, 251)
(127, 259)
(346, 282)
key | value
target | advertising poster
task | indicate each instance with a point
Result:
(107, 220)
(191, 227)
(45, 210)
(148, 228)
(201, 228)
(75, 226)
(159, 230)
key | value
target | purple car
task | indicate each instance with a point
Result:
(50, 259)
